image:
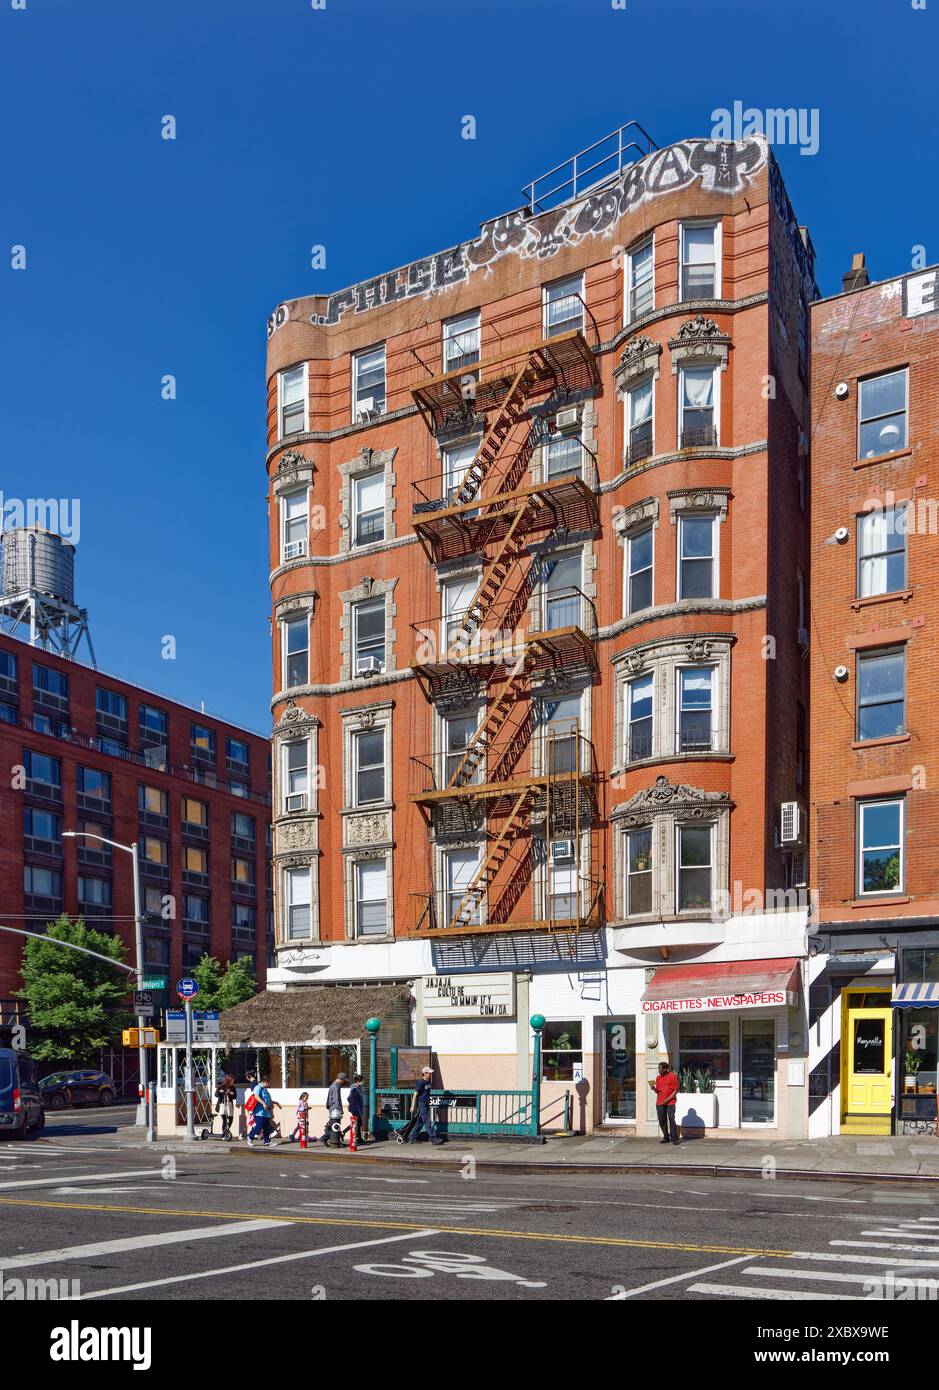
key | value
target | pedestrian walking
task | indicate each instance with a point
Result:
(420, 1106)
(665, 1087)
(301, 1129)
(334, 1112)
(355, 1102)
(262, 1113)
(225, 1096)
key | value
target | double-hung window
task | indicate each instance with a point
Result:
(697, 556)
(639, 570)
(694, 862)
(639, 280)
(562, 594)
(882, 414)
(564, 456)
(295, 522)
(639, 441)
(369, 508)
(292, 405)
(880, 847)
(296, 768)
(368, 383)
(639, 718)
(369, 637)
(368, 757)
(371, 898)
(697, 408)
(700, 260)
(457, 735)
(456, 462)
(460, 869)
(695, 709)
(297, 650)
(881, 695)
(563, 306)
(298, 897)
(461, 341)
(881, 551)
(639, 871)
(457, 595)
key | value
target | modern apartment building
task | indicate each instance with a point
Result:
(539, 558)
(875, 651)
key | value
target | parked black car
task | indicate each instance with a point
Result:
(64, 1088)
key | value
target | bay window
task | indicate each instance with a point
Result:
(697, 408)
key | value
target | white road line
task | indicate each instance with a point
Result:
(882, 1260)
(364, 1177)
(773, 1272)
(142, 1242)
(59, 1178)
(753, 1291)
(889, 1245)
(257, 1264)
(907, 1234)
(675, 1279)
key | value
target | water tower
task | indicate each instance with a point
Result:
(37, 592)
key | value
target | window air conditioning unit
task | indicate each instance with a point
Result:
(366, 409)
(293, 549)
(567, 420)
(791, 823)
(562, 851)
(296, 801)
(369, 666)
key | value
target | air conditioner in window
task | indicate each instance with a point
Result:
(567, 420)
(296, 801)
(369, 666)
(366, 409)
(562, 851)
(294, 548)
(791, 823)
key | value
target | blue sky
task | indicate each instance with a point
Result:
(341, 126)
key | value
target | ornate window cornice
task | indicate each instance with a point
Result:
(293, 470)
(699, 340)
(698, 499)
(639, 357)
(674, 798)
(626, 519)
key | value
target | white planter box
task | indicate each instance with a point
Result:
(695, 1113)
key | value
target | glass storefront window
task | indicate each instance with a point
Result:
(705, 1046)
(620, 1073)
(561, 1051)
(920, 965)
(757, 1071)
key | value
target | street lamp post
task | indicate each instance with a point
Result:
(142, 1107)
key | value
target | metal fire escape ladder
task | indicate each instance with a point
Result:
(495, 857)
(511, 548)
(485, 736)
(507, 416)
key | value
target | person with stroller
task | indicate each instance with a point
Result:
(225, 1096)
(333, 1130)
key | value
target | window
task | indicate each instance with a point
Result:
(882, 412)
(94, 851)
(880, 847)
(457, 596)
(9, 714)
(695, 709)
(368, 383)
(41, 883)
(242, 872)
(153, 850)
(293, 393)
(458, 735)
(371, 898)
(639, 871)
(237, 754)
(94, 891)
(195, 813)
(562, 1057)
(156, 951)
(639, 718)
(368, 621)
(42, 831)
(244, 919)
(700, 271)
(93, 785)
(50, 687)
(297, 650)
(456, 462)
(368, 505)
(562, 596)
(563, 306)
(202, 741)
(44, 774)
(563, 903)
(152, 801)
(196, 909)
(698, 417)
(153, 902)
(295, 520)
(564, 456)
(639, 444)
(639, 570)
(296, 775)
(697, 556)
(8, 680)
(152, 724)
(111, 705)
(242, 826)
(298, 903)
(881, 551)
(639, 280)
(368, 758)
(195, 860)
(704, 1045)
(460, 869)
(461, 341)
(559, 719)
(694, 863)
(880, 693)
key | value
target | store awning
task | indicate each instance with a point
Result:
(735, 984)
(915, 997)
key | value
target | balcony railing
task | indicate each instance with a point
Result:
(584, 909)
(640, 444)
(699, 437)
(695, 734)
(639, 744)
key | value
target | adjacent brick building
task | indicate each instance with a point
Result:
(86, 751)
(538, 564)
(874, 732)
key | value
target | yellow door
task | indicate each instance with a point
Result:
(867, 1048)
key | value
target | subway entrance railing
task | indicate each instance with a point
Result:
(460, 1112)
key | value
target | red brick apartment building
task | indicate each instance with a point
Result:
(874, 732)
(85, 751)
(538, 555)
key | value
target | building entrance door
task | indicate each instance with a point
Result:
(867, 1050)
(619, 1070)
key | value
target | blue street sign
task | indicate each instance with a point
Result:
(187, 987)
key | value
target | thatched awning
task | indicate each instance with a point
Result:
(318, 1013)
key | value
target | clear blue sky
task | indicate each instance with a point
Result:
(342, 127)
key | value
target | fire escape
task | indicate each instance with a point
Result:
(521, 789)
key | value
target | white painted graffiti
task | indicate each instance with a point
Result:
(424, 1264)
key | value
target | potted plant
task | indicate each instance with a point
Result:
(911, 1065)
(689, 1114)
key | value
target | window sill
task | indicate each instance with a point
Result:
(879, 900)
(883, 458)
(710, 755)
(895, 596)
(861, 744)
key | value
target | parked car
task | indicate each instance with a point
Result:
(21, 1109)
(64, 1088)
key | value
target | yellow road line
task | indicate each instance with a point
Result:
(618, 1241)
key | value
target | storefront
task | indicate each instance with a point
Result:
(916, 1012)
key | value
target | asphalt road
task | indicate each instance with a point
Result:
(140, 1225)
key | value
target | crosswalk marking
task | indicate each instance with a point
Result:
(753, 1291)
(150, 1172)
(142, 1242)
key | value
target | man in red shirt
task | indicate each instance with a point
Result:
(665, 1087)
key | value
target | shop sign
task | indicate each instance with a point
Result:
(764, 999)
(469, 996)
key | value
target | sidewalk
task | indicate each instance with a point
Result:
(842, 1157)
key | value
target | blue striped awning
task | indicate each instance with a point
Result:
(916, 997)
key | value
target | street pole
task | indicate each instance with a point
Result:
(190, 1131)
(372, 1027)
(142, 1116)
(537, 1022)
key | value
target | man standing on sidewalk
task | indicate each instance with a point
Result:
(665, 1087)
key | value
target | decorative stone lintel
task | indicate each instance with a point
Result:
(699, 340)
(639, 357)
(698, 499)
(293, 470)
(626, 519)
(670, 797)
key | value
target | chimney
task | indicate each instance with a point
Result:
(857, 277)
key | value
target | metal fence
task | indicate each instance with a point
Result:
(461, 1112)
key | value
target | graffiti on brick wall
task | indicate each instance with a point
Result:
(717, 166)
